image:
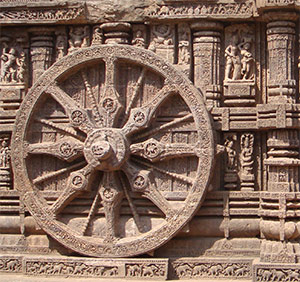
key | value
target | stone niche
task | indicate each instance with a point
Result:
(150, 139)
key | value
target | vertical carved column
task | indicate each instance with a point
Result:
(281, 60)
(283, 154)
(116, 33)
(283, 144)
(41, 50)
(207, 55)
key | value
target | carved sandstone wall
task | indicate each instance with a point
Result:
(160, 138)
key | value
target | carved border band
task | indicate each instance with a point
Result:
(78, 267)
(217, 268)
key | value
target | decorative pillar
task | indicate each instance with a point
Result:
(281, 60)
(116, 33)
(278, 226)
(207, 56)
(41, 50)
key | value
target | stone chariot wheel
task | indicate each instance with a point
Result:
(112, 151)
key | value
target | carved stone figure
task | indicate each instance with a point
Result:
(61, 45)
(9, 64)
(79, 37)
(247, 60)
(233, 62)
(139, 40)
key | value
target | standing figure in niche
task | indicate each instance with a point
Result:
(21, 69)
(4, 154)
(231, 154)
(247, 59)
(233, 61)
(8, 72)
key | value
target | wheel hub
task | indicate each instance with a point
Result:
(106, 149)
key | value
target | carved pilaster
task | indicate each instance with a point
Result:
(207, 55)
(116, 33)
(282, 177)
(281, 58)
(283, 161)
(41, 50)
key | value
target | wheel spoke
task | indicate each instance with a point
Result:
(110, 105)
(62, 128)
(77, 182)
(112, 196)
(91, 212)
(142, 181)
(133, 209)
(78, 117)
(154, 150)
(140, 117)
(50, 175)
(177, 176)
(95, 110)
(66, 149)
(135, 94)
(163, 127)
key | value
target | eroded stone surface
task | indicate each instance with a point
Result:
(157, 128)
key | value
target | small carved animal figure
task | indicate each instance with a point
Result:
(57, 268)
(240, 271)
(184, 270)
(215, 270)
(229, 271)
(148, 270)
(278, 275)
(12, 265)
(134, 270)
(198, 270)
(266, 275)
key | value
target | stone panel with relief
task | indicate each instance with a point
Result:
(150, 139)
